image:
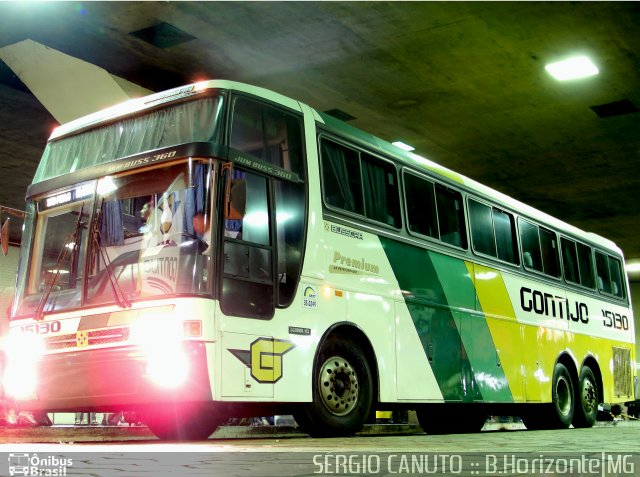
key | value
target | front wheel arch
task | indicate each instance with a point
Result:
(348, 349)
(355, 334)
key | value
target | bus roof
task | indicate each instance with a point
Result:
(336, 126)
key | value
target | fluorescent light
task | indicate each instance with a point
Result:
(632, 267)
(403, 146)
(572, 68)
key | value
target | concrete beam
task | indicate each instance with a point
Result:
(68, 87)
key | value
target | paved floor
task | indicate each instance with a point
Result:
(379, 450)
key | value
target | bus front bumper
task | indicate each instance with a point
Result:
(119, 378)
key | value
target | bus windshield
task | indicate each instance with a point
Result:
(147, 236)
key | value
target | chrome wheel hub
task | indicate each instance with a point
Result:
(338, 386)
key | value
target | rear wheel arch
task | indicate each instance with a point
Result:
(591, 362)
(569, 362)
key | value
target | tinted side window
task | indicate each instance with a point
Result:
(615, 273)
(421, 206)
(585, 264)
(341, 177)
(506, 242)
(531, 257)
(602, 272)
(570, 260)
(357, 182)
(549, 247)
(380, 191)
(451, 217)
(290, 219)
(482, 235)
(267, 133)
(609, 275)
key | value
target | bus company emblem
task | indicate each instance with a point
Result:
(82, 339)
(310, 297)
(264, 358)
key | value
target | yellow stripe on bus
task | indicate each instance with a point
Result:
(503, 324)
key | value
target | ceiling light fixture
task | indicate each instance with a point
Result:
(572, 68)
(632, 267)
(403, 146)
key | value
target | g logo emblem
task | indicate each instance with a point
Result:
(264, 358)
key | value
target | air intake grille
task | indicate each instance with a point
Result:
(622, 371)
(93, 337)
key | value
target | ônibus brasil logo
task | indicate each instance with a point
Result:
(34, 465)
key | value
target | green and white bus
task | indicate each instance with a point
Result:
(219, 250)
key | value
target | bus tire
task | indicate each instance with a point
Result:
(342, 391)
(587, 399)
(558, 414)
(449, 420)
(181, 422)
(562, 398)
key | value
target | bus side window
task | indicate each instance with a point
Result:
(602, 273)
(267, 133)
(585, 264)
(380, 186)
(421, 206)
(341, 177)
(570, 260)
(615, 273)
(482, 234)
(290, 221)
(506, 243)
(451, 216)
(549, 248)
(531, 257)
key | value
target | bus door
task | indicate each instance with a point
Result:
(247, 247)
(247, 283)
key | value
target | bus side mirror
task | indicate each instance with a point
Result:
(4, 237)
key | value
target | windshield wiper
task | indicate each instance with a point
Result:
(62, 255)
(121, 300)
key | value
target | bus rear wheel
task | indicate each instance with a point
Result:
(587, 399)
(181, 422)
(342, 391)
(558, 414)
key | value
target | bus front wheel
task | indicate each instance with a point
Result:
(181, 422)
(342, 391)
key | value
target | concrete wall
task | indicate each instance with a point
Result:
(8, 269)
(635, 301)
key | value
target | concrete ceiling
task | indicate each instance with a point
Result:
(462, 82)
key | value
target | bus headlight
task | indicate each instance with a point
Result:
(23, 352)
(160, 339)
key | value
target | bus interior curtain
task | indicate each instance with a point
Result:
(183, 123)
(375, 193)
(337, 161)
(111, 230)
(194, 200)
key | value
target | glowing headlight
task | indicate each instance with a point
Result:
(161, 340)
(23, 351)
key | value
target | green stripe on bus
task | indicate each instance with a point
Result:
(434, 321)
(474, 330)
